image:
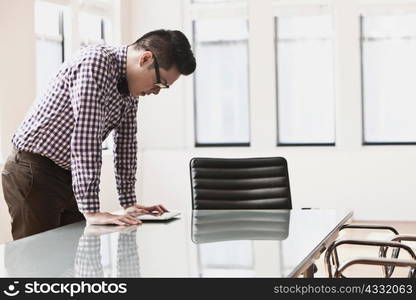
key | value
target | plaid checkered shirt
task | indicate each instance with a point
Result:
(82, 105)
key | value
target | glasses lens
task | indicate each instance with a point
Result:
(161, 85)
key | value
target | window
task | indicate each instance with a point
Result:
(228, 258)
(388, 72)
(221, 82)
(49, 42)
(305, 101)
(91, 29)
(93, 18)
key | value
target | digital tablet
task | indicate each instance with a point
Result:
(166, 216)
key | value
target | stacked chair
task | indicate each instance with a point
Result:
(393, 244)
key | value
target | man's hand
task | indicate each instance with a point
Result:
(137, 210)
(103, 218)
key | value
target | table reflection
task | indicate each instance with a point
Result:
(75, 251)
(49, 254)
(201, 243)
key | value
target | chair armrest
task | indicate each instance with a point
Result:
(404, 237)
(376, 243)
(376, 227)
(377, 262)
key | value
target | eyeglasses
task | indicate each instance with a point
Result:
(159, 83)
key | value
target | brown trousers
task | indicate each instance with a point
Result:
(38, 193)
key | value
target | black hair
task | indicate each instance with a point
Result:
(171, 48)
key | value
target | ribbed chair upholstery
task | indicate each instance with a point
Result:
(240, 183)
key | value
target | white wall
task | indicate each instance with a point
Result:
(160, 117)
(376, 182)
(17, 73)
(17, 59)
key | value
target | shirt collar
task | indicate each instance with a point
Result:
(121, 55)
(122, 84)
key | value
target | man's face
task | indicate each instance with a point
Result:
(142, 78)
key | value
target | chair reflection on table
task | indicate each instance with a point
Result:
(228, 241)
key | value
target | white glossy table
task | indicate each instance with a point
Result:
(205, 243)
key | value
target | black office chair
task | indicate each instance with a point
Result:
(240, 183)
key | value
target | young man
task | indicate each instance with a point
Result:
(52, 176)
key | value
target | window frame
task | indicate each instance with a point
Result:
(284, 9)
(368, 9)
(213, 11)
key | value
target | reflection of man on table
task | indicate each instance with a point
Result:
(88, 260)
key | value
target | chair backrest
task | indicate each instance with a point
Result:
(240, 183)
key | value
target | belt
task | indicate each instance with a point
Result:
(35, 158)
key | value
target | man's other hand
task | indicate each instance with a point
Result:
(137, 210)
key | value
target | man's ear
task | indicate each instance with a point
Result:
(146, 58)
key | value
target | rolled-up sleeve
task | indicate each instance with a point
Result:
(90, 81)
(125, 156)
